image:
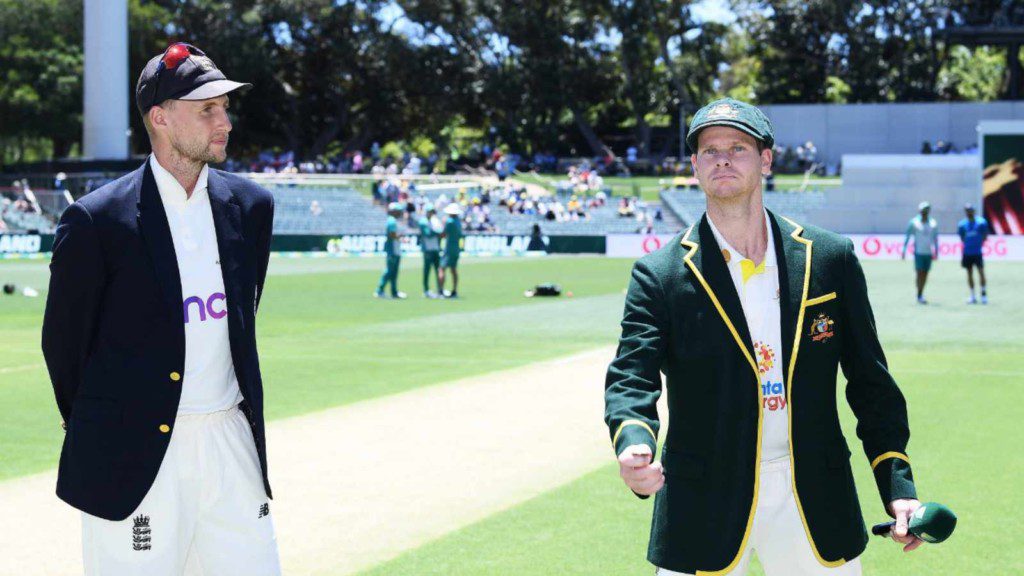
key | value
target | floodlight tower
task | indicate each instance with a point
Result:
(106, 87)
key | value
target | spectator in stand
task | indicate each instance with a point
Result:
(574, 203)
(315, 209)
(410, 212)
(502, 167)
(926, 147)
(647, 227)
(357, 162)
(631, 154)
(536, 240)
(441, 202)
(625, 208)
(377, 192)
(812, 153)
(413, 166)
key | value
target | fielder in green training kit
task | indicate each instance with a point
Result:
(749, 316)
(452, 248)
(393, 254)
(430, 243)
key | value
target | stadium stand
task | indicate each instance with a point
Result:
(341, 210)
(336, 210)
(798, 206)
(599, 220)
(22, 212)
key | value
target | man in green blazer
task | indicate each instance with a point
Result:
(749, 315)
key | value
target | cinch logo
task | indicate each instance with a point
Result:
(206, 306)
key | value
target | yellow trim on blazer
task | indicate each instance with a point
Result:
(820, 299)
(886, 456)
(633, 423)
(693, 246)
(804, 303)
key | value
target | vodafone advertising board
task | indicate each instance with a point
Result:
(634, 245)
(867, 246)
(890, 247)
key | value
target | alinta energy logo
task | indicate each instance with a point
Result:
(772, 393)
(206, 308)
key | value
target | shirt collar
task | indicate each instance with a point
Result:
(171, 192)
(735, 256)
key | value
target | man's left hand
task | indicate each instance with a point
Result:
(901, 510)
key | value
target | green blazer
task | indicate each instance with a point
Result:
(683, 319)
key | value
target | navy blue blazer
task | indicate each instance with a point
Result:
(114, 331)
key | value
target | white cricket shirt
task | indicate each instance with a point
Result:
(758, 289)
(209, 383)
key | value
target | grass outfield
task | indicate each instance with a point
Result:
(324, 342)
(960, 368)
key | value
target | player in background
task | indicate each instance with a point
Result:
(430, 243)
(925, 232)
(973, 231)
(452, 248)
(393, 253)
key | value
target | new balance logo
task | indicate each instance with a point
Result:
(264, 510)
(140, 533)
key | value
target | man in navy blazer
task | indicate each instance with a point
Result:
(150, 340)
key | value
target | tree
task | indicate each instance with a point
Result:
(40, 74)
(975, 75)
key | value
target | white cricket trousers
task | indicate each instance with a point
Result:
(206, 514)
(778, 535)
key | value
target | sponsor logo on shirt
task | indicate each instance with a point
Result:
(774, 397)
(215, 306)
(773, 393)
(765, 357)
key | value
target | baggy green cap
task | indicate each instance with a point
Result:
(733, 113)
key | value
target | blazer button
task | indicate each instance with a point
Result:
(175, 376)
(165, 428)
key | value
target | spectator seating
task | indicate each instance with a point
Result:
(344, 211)
(797, 206)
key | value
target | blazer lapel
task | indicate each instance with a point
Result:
(227, 220)
(708, 267)
(152, 219)
(794, 276)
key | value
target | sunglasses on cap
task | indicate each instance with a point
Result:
(173, 56)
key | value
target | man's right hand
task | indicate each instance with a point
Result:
(639, 472)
